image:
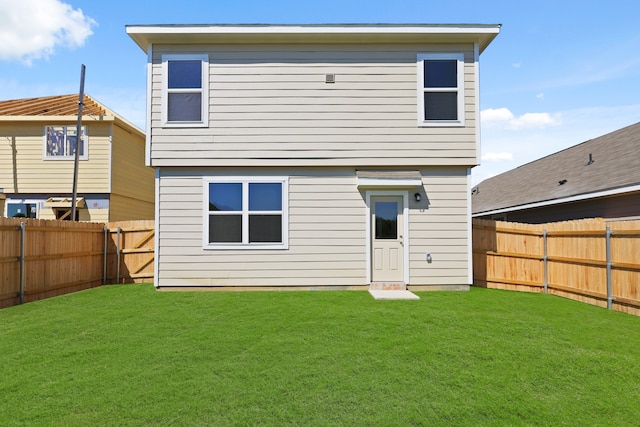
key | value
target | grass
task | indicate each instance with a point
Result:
(128, 355)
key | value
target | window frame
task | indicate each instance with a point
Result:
(245, 212)
(85, 143)
(459, 89)
(34, 202)
(203, 90)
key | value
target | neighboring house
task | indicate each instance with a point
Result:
(37, 146)
(313, 156)
(598, 178)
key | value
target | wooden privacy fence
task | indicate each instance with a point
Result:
(592, 261)
(130, 253)
(41, 259)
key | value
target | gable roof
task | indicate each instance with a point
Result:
(483, 34)
(61, 105)
(605, 165)
(59, 108)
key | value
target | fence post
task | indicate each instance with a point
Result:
(22, 261)
(118, 256)
(545, 261)
(609, 292)
(104, 257)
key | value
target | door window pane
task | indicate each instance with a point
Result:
(225, 196)
(265, 228)
(225, 229)
(265, 196)
(386, 220)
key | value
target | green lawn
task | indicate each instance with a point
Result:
(128, 355)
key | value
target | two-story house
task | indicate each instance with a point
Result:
(313, 156)
(38, 139)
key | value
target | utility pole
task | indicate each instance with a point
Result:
(78, 145)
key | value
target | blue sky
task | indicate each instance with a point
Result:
(558, 74)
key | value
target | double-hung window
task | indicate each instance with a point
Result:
(186, 90)
(441, 89)
(246, 213)
(60, 142)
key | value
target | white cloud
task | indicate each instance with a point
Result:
(31, 29)
(491, 117)
(496, 115)
(517, 65)
(578, 125)
(497, 157)
(540, 96)
(535, 120)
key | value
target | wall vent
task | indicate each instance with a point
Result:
(330, 78)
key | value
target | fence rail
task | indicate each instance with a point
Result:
(130, 254)
(592, 261)
(41, 259)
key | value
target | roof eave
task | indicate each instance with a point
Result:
(72, 119)
(574, 198)
(64, 118)
(145, 35)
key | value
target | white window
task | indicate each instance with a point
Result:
(185, 90)
(246, 213)
(441, 89)
(60, 143)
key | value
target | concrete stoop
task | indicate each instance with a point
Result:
(380, 294)
(388, 286)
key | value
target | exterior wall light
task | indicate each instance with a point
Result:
(418, 197)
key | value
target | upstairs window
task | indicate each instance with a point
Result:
(186, 100)
(60, 143)
(246, 213)
(441, 89)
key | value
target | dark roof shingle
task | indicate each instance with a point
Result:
(608, 162)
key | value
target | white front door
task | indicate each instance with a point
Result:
(387, 241)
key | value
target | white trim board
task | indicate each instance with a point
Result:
(156, 261)
(469, 231)
(390, 182)
(405, 212)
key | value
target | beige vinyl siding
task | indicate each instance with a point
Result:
(270, 106)
(132, 183)
(122, 208)
(327, 232)
(319, 254)
(441, 230)
(30, 173)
